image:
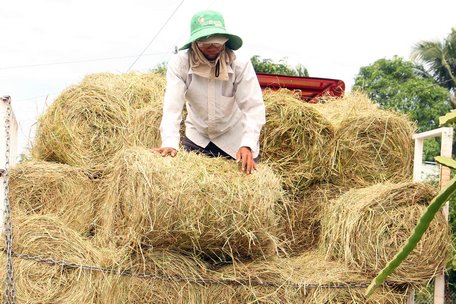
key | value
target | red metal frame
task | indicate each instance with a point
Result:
(309, 87)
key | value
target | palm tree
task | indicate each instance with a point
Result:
(438, 60)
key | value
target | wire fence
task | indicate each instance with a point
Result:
(426, 296)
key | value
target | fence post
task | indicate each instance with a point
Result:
(446, 135)
(13, 149)
(445, 172)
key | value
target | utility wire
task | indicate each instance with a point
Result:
(153, 39)
(72, 62)
(176, 48)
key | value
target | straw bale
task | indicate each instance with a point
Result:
(92, 120)
(273, 281)
(39, 187)
(304, 216)
(296, 140)
(192, 203)
(366, 227)
(84, 127)
(372, 145)
(138, 89)
(37, 282)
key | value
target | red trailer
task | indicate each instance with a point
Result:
(309, 87)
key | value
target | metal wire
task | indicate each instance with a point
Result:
(196, 280)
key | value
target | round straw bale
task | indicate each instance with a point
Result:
(296, 140)
(192, 203)
(39, 282)
(39, 187)
(302, 279)
(372, 145)
(366, 227)
(138, 89)
(84, 127)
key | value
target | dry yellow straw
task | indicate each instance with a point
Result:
(89, 122)
(145, 126)
(305, 211)
(338, 109)
(38, 187)
(138, 89)
(191, 203)
(302, 279)
(84, 127)
(36, 282)
(175, 278)
(366, 227)
(296, 140)
(372, 145)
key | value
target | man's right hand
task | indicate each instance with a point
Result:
(166, 151)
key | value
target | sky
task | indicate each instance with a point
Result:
(48, 45)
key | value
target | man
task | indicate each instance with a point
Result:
(224, 102)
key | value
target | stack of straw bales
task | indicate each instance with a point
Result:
(330, 203)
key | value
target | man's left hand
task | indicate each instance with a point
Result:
(245, 157)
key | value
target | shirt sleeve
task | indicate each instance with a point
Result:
(250, 101)
(173, 103)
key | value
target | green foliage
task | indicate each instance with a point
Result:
(267, 66)
(160, 68)
(431, 148)
(394, 84)
(448, 118)
(438, 59)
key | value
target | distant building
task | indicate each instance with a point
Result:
(430, 171)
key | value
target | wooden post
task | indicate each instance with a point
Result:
(445, 150)
(418, 159)
(445, 172)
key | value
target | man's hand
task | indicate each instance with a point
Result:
(166, 151)
(245, 157)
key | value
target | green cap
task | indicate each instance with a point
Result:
(208, 23)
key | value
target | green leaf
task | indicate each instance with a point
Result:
(445, 161)
(447, 118)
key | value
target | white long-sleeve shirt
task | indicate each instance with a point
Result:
(228, 113)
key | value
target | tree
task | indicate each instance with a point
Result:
(267, 66)
(160, 68)
(396, 84)
(438, 60)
